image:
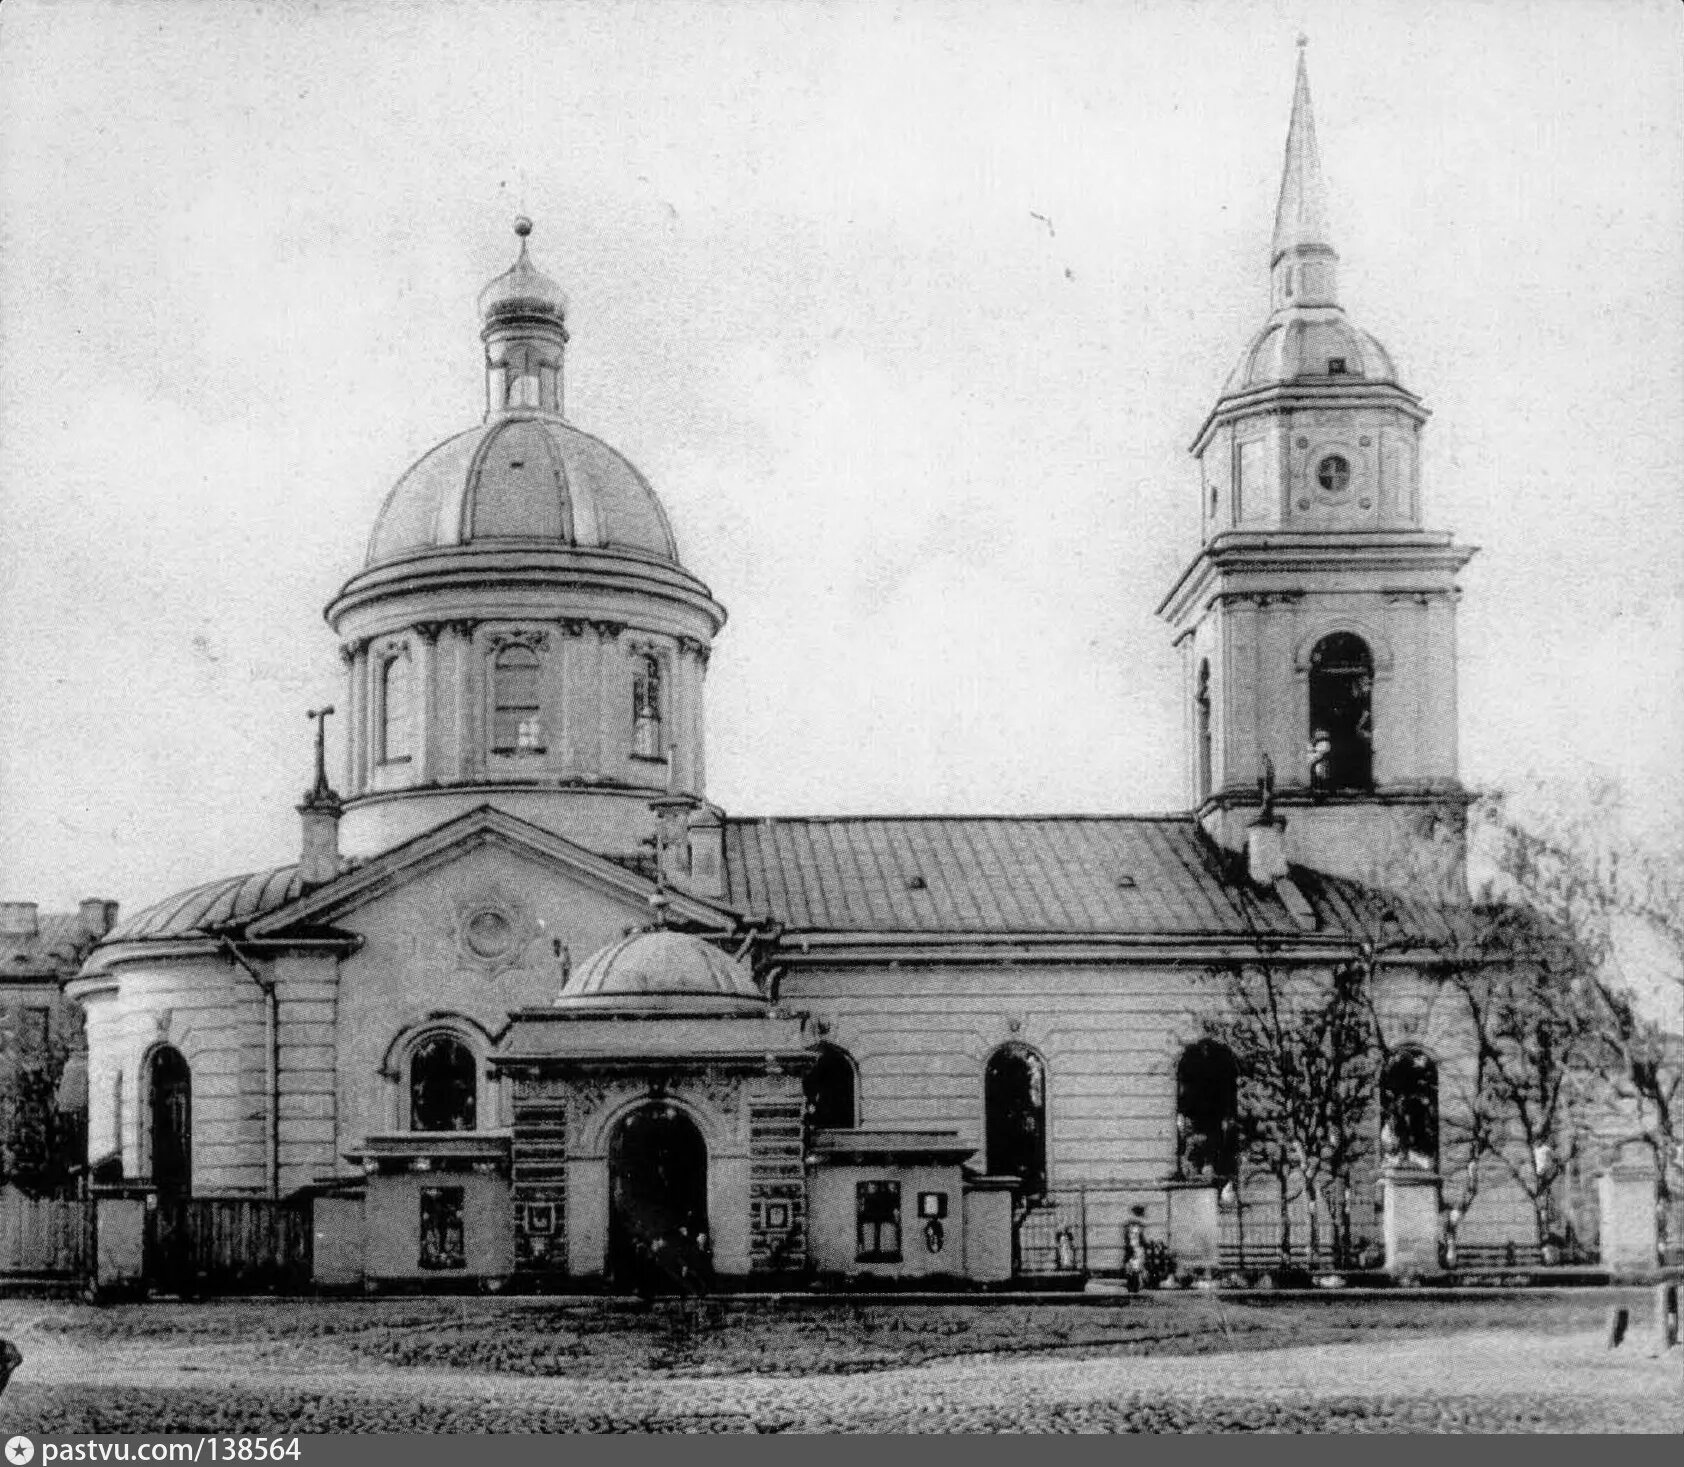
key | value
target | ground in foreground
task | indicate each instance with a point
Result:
(1153, 1363)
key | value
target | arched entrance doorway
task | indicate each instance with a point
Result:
(658, 1201)
(171, 1106)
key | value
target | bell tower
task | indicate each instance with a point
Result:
(1317, 622)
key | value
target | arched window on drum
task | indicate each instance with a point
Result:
(1341, 714)
(517, 711)
(1015, 1116)
(647, 700)
(396, 710)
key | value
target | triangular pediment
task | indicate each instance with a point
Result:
(458, 839)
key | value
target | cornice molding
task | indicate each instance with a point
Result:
(535, 639)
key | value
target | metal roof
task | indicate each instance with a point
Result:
(233, 899)
(964, 875)
(53, 950)
(1151, 875)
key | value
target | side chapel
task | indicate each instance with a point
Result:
(530, 1007)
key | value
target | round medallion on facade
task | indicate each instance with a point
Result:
(493, 931)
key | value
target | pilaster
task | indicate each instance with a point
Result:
(613, 700)
(469, 760)
(426, 741)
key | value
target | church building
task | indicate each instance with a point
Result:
(529, 1007)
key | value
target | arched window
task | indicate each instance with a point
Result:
(170, 1087)
(443, 1085)
(396, 712)
(1409, 1111)
(1341, 713)
(517, 718)
(1014, 1097)
(1207, 1109)
(1201, 732)
(832, 1090)
(646, 707)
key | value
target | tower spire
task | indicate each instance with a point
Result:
(1302, 261)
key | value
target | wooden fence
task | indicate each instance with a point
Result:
(228, 1245)
(42, 1237)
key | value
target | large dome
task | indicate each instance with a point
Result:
(1310, 342)
(521, 477)
(659, 970)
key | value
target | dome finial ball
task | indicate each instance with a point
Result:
(523, 226)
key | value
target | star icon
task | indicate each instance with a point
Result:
(20, 1451)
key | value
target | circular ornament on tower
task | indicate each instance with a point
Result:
(1333, 475)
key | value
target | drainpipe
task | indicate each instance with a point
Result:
(272, 1063)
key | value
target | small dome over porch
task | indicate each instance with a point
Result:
(657, 970)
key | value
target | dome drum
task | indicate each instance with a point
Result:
(522, 623)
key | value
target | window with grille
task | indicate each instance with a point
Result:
(443, 1244)
(877, 1214)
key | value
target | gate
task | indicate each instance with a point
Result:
(1080, 1229)
(231, 1245)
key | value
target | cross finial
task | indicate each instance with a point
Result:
(1303, 40)
(321, 790)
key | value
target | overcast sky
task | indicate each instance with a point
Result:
(929, 448)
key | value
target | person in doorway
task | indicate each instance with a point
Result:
(1134, 1249)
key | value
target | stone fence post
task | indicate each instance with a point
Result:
(1194, 1231)
(1410, 1204)
(1629, 1238)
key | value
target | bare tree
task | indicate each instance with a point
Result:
(1529, 1029)
(36, 1140)
(1305, 1047)
(1619, 912)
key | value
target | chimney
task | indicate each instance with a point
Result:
(17, 919)
(706, 832)
(318, 860)
(97, 915)
(1265, 850)
(670, 854)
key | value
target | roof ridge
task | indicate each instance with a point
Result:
(1184, 817)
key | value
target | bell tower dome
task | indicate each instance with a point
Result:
(522, 632)
(1318, 620)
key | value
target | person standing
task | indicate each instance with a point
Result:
(1134, 1249)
